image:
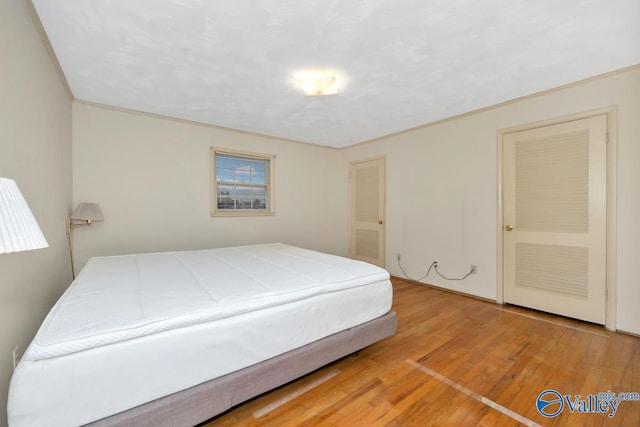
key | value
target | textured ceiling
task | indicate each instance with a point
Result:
(399, 63)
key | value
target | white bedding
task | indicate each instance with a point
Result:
(134, 328)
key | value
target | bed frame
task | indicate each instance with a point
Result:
(204, 401)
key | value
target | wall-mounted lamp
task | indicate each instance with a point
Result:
(83, 216)
(19, 230)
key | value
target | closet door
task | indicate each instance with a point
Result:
(554, 215)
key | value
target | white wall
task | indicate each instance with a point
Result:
(35, 151)
(151, 177)
(442, 180)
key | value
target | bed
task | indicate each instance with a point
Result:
(176, 338)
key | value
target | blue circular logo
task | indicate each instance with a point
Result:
(549, 403)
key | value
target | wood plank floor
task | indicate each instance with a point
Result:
(458, 361)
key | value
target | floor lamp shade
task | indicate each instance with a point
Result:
(19, 230)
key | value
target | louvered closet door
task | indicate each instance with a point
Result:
(554, 214)
(366, 211)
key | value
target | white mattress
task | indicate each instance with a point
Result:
(134, 328)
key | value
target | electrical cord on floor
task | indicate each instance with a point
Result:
(434, 266)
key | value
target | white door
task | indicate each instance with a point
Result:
(366, 211)
(554, 216)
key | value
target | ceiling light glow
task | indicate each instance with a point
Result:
(315, 84)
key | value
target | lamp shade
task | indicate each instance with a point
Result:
(19, 230)
(87, 212)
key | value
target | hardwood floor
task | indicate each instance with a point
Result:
(459, 361)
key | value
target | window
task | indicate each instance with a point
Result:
(241, 183)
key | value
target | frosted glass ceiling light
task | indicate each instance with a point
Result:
(315, 85)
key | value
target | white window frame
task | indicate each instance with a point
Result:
(269, 184)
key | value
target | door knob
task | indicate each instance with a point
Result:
(509, 227)
(380, 221)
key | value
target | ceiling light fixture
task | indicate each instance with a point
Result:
(318, 84)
